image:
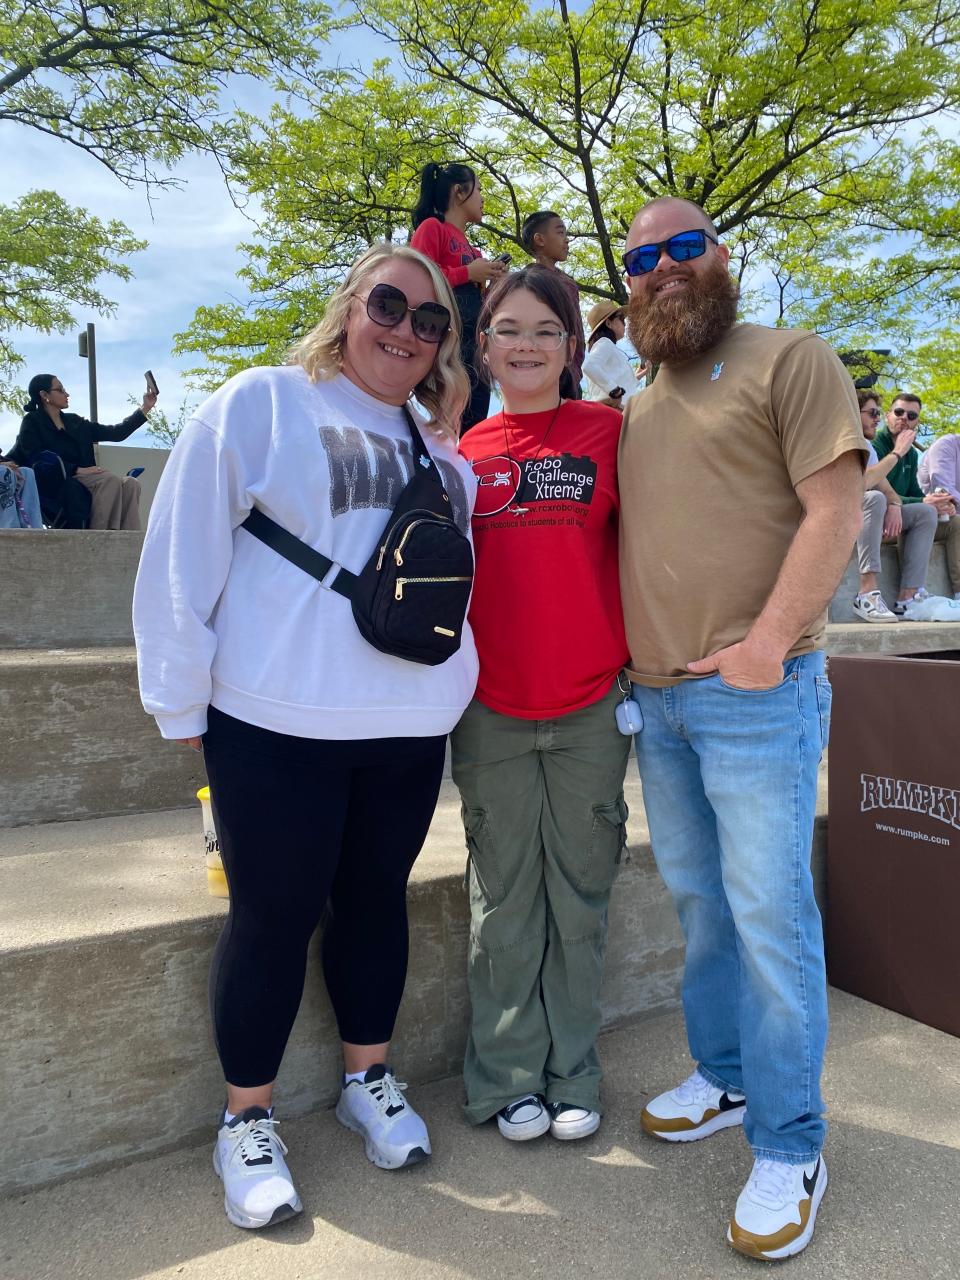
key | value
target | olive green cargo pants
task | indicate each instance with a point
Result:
(545, 819)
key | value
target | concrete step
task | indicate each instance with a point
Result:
(886, 639)
(67, 587)
(938, 581)
(74, 588)
(618, 1205)
(77, 743)
(107, 931)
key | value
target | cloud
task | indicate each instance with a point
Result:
(191, 260)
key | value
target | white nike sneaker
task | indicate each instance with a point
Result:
(695, 1109)
(777, 1209)
(258, 1190)
(870, 606)
(394, 1135)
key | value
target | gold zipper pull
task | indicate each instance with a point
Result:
(383, 552)
(398, 557)
(398, 594)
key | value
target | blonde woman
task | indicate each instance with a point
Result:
(324, 755)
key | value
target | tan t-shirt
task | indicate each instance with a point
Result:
(710, 456)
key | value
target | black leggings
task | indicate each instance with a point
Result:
(305, 824)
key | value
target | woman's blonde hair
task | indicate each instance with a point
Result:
(445, 390)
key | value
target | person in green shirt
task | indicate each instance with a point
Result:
(904, 413)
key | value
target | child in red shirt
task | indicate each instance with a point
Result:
(450, 199)
(537, 756)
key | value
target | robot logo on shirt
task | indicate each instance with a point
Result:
(498, 480)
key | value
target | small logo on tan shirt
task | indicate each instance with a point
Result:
(717, 370)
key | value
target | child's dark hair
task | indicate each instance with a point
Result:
(436, 187)
(532, 225)
(545, 285)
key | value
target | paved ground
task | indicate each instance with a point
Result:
(616, 1205)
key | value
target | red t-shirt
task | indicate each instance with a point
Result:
(546, 611)
(448, 247)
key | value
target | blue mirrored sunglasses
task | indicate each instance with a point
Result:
(681, 247)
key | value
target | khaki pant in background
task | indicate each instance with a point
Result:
(545, 822)
(948, 531)
(115, 500)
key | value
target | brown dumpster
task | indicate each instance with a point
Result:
(893, 855)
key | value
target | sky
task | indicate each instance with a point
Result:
(191, 260)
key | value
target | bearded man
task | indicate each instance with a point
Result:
(740, 485)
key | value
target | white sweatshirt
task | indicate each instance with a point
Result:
(221, 618)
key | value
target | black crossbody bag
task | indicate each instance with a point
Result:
(410, 598)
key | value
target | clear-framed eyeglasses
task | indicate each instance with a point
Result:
(545, 337)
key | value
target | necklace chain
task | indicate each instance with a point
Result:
(517, 510)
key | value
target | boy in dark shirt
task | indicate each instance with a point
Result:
(544, 236)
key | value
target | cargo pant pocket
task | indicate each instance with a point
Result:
(608, 843)
(484, 879)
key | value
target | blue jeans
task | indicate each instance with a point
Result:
(730, 786)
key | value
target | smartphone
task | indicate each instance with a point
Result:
(505, 258)
(151, 383)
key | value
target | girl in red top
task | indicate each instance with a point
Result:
(450, 199)
(537, 756)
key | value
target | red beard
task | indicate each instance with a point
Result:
(677, 328)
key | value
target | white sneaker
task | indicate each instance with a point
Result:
(695, 1109)
(248, 1158)
(777, 1209)
(524, 1119)
(394, 1135)
(870, 606)
(568, 1121)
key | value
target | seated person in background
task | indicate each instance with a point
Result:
(885, 517)
(904, 413)
(939, 471)
(46, 427)
(544, 236)
(19, 500)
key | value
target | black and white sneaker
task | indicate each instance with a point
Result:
(524, 1119)
(568, 1121)
(258, 1190)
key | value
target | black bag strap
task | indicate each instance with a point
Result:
(313, 562)
(299, 553)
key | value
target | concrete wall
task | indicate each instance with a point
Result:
(77, 742)
(120, 458)
(67, 587)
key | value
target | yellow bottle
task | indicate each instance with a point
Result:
(216, 876)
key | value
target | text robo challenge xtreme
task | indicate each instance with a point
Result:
(547, 479)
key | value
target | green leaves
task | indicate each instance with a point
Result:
(136, 84)
(53, 257)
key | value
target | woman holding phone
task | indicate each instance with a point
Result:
(538, 756)
(242, 651)
(48, 428)
(450, 199)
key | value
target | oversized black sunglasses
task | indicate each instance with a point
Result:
(387, 305)
(681, 247)
(910, 414)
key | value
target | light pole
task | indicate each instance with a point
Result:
(87, 342)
